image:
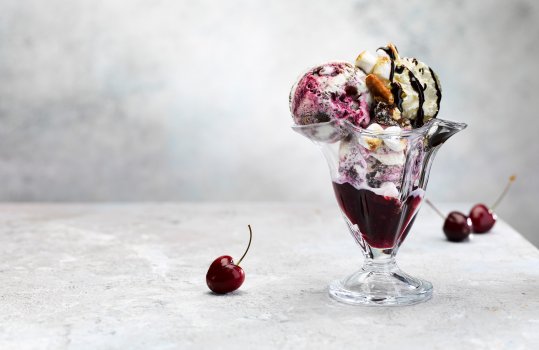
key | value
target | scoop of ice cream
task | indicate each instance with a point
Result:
(429, 83)
(415, 88)
(328, 92)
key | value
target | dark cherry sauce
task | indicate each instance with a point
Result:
(384, 222)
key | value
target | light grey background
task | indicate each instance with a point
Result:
(188, 100)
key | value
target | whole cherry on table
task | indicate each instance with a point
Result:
(457, 226)
(483, 218)
(224, 276)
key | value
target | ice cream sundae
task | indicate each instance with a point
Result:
(375, 121)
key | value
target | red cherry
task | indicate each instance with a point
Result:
(457, 226)
(223, 275)
(483, 219)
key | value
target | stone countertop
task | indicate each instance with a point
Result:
(132, 276)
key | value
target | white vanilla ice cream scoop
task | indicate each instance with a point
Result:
(415, 88)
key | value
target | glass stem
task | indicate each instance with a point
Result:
(380, 266)
(379, 260)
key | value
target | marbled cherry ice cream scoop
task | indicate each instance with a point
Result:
(331, 91)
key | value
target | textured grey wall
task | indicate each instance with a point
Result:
(188, 100)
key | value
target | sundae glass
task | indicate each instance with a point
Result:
(375, 124)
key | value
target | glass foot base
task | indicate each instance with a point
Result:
(390, 287)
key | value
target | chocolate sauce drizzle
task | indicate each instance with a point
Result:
(391, 55)
(438, 92)
(416, 85)
(396, 90)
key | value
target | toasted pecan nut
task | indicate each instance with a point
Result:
(378, 89)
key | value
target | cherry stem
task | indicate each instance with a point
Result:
(248, 245)
(512, 179)
(434, 208)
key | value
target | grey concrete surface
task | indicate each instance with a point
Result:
(132, 276)
(188, 100)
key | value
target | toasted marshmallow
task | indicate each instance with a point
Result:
(366, 61)
(392, 158)
(371, 143)
(394, 143)
(382, 68)
(375, 127)
(381, 53)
